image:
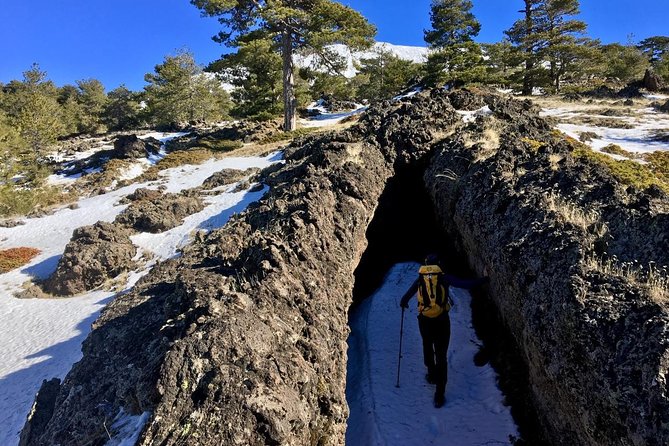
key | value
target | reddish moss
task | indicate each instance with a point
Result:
(16, 257)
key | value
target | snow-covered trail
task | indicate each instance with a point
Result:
(41, 338)
(382, 414)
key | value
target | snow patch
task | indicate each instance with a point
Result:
(382, 414)
(470, 116)
(126, 428)
(42, 338)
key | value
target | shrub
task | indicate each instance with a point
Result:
(17, 201)
(615, 149)
(16, 257)
(285, 136)
(628, 172)
(219, 145)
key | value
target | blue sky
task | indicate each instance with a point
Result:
(119, 41)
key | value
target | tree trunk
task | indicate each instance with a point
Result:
(528, 81)
(289, 101)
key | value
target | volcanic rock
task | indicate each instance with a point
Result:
(153, 211)
(94, 255)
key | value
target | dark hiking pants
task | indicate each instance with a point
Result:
(436, 334)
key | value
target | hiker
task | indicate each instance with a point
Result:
(434, 323)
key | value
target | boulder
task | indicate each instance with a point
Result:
(94, 255)
(153, 211)
(652, 81)
(131, 147)
(227, 176)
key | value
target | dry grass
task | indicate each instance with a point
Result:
(569, 212)
(653, 279)
(16, 257)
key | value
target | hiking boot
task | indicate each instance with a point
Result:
(430, 378)
(439, 400)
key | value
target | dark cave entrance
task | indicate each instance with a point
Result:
(404, 229)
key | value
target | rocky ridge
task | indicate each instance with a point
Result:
(242, 340)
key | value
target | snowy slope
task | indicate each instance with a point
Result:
(41, 338)
(645, 123)
(416, 54)
(382, 414)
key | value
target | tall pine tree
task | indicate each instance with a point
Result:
(549, 34)
(291, 25)
(179, 92)
(455, 57)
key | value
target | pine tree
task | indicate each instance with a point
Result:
(122, 110)
(255, 72)
(455, 57)
(502, 63)
(92, 99)
(548, 34)
(624, 62)
(35, 111)
(291, 25)
(179, 92)
(383, 76)
(524, 34)
(561, 47)
(656, 49)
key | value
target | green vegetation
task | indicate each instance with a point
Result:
(627, 172)
(383, 76)
(455, 58)
(291, 26)
(286, 136)
(615, 149)
(179, 92)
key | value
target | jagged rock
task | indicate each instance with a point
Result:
(94, 255)
(466, 100)
(130, 146)
(242, 339)
(602, 92)
(334, 105)
(227, 176)
(652, 81)
(247, 131)
(41, 412)
(153, 211)
(664, 108)
(596, 345)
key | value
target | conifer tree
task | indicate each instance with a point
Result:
(383, 76)
(524, 34)
(548, 34)
(561, 46)
(122, 110)
(92, 100)
(455, 57)
(255, 72)
(180, 92)
(34, 109)
(291, 25)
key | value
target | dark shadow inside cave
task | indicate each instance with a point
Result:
(405, 228)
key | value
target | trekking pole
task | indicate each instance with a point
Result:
(399, 359)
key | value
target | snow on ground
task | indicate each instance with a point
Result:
(470, 116)
(327, 119)
(646, 123)
(382, 414)
(126, 428)
(133, 171)
(42, 338)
